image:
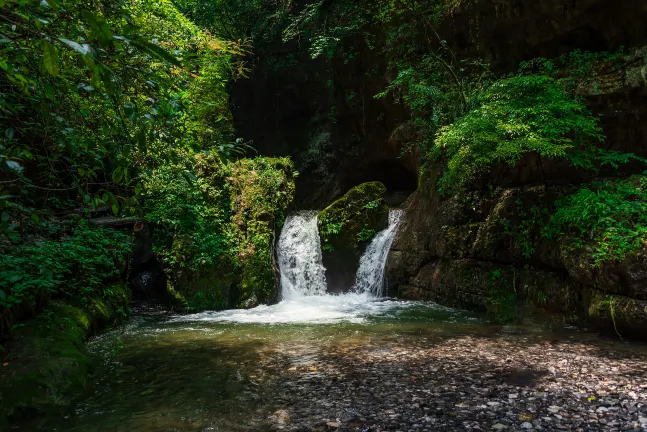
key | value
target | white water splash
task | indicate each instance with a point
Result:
(303, 281)
(299, 256)
(370, 275)
(325, 309)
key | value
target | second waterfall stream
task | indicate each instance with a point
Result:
(303, 282)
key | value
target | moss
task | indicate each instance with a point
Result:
(354, 218)
(208, 287)
(46, 364)
(263, 191)
(258, 193)
(624, 315)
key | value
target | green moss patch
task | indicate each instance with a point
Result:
(214, 234)
(46, 365)
(354, 218)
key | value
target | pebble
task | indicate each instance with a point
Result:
(458, 384)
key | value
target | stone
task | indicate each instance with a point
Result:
(345, 228)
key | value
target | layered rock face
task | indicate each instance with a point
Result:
(478, 251)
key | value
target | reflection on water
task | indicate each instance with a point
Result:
(223, 371)
(217, 371)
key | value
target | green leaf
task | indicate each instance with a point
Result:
(115, 209)
(35, 218)
(13, 165)
(98, 27)
(118, 175)
(155, 51)
(2, 295)
(5, 217)
(83, 49)
(50, 58)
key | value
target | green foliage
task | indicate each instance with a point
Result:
(263, 190)
(75, 265)
(89, 93)
(214, 224)
(366, 234)
(610, 215)
(517, 116)
(189, 202)
(577, 70)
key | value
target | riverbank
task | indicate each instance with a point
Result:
(45, 365)
(496, 381)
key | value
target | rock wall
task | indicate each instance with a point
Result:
(322, 112)
(469, 250)
(478, 251)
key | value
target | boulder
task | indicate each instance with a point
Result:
(346, 227)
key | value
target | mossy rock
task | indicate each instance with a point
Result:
(616, 314)
(346, 227)
(253, 196)
(209, 287)
(46, 364)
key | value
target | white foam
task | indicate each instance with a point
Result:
(370, 274)
(299, 257)
(322, 309)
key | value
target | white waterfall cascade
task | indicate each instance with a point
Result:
(303, 282)
(370, 274)
(299, 257)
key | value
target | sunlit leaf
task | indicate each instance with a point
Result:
(82, 49)
(50, 57)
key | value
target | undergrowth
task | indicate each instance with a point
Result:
(611, 215)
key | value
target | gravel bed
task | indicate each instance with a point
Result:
(506, 382)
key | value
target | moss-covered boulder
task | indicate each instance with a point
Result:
(217, 248)
(346, 227)
(44, 365)
(263, 191)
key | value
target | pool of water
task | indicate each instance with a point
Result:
(219, 370)
(223, 370)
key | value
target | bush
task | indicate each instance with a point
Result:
(517, 116)
(74, 266)
(610, 214)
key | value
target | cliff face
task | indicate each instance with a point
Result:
(322, 113)
(476, 250)
(462, 250)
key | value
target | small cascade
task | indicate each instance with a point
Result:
(299, 257)
(370, 275)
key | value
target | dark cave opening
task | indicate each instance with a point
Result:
(400, 181)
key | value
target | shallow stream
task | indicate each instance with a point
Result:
(300, 364)
(356, 361)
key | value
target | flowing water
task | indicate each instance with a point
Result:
(230, 370)
(370, 275)
(299, 257)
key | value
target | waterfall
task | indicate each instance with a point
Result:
(303, 281)
(299, 257)
(370, 275)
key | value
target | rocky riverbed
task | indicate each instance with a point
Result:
(406, 367)
(499, 381)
